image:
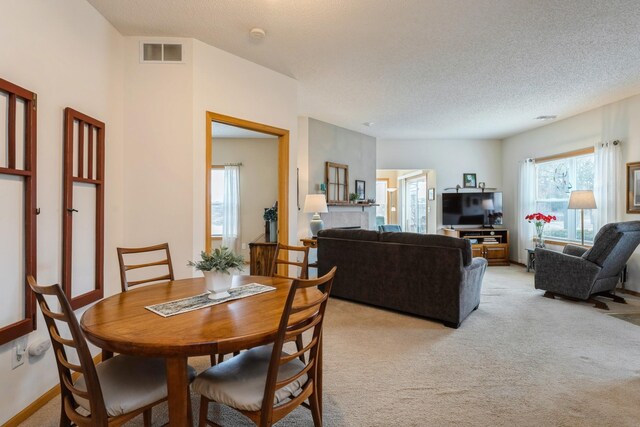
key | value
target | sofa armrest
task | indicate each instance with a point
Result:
(574, 250)
(564, 274)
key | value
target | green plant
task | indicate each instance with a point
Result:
(220, 259)
(353, 197)
(270, 214)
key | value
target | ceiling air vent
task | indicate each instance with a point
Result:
(170, 53)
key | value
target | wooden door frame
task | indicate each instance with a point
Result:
(283, 170)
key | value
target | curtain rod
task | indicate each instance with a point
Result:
(616, 142)
(233, 164)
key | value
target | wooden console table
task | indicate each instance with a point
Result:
(489, 243)
(261, 254)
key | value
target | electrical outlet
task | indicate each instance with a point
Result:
(18, 352)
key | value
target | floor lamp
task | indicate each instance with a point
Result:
(582, 199)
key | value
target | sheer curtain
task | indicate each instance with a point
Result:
(231, 209)
(608, 160)
(526, 205)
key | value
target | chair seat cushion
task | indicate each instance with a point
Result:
(129, 383)
(240, 381)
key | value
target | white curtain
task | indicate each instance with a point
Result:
(526, 205)
(608, 161)
(231, 209)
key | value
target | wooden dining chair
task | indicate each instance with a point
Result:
(266, 383)
(113, 391)
(124, 268)
(279, 259)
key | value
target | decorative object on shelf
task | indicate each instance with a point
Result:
(353, 197)
(323, 187)
(582, 199)
(337, 182)
(432, 193)
(633, 188)
(315, 204)
(457, 188)
(360, 189)
(481, 185)
(270, 217)
(216, 267)
(540, 220)
(469, 180)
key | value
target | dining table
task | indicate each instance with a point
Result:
(121, 324)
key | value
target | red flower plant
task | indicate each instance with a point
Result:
(540, 218)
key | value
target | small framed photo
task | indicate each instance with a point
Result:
(469, 180)
(432, 194)
(633, 188)
(360, 189)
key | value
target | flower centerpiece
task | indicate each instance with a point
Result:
(216, 267)
(540, 220)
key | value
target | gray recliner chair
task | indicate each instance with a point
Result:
(386, 228)
(578, 273)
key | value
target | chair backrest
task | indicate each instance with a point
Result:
(299, 315)
(124, 268)
(278, 259)
(78, 342)
(613, 246)
(394, 228)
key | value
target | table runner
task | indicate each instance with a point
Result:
(184, 305)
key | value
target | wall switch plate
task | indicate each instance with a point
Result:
(244, 246)
(18, 352)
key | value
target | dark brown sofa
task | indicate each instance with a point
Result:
(429, 275)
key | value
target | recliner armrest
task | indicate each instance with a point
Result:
(574, 250)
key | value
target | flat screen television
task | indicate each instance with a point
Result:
(483, 209)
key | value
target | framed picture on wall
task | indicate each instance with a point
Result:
(432, 194)
(360, 189)
(469, 180)
(633, 187)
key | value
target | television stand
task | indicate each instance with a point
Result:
(489, 243)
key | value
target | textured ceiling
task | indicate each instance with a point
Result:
(420, 68)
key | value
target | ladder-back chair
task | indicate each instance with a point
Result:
(266, 383)
(124, 268)
(278, 259)
(112, 392)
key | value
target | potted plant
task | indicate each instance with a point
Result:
(216, 267)
(353, 197)
(271, 223)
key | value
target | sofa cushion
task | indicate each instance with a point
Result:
(337, 233)
(431, 240)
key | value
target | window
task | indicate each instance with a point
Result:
(217, 197)
(556, 178)
(415, 206)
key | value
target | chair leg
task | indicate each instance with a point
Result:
(64, 419)
(212, 357)
(300, 346)
(204, 410)
(315, 410)
(146, 417)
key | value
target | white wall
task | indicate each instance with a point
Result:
(226, 84)
(258, 180)
(581, 131)
(158, 157)
(71, 57)
(449, 159)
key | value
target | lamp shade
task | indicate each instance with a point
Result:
(315, 203)
(487, 205)
(582, 199)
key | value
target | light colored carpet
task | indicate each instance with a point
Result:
(519, 360)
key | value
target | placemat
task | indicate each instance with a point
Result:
(184, 305)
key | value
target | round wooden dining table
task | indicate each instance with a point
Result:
(122, 324)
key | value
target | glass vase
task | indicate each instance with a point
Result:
(540, 239)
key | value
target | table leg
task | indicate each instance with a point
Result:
(178, 388)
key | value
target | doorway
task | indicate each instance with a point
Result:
(282, 135)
